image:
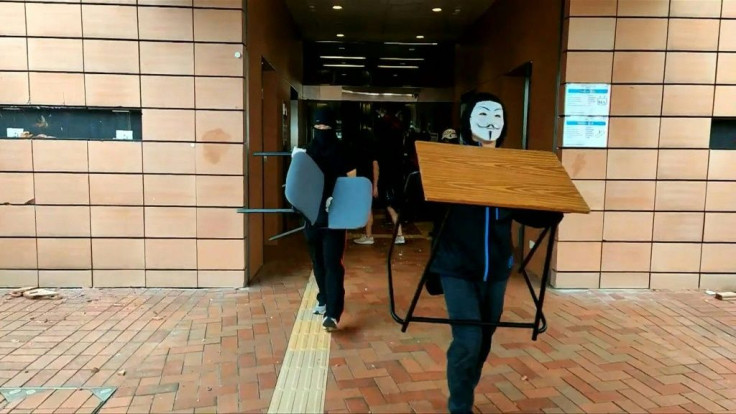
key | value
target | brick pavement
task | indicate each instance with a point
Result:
(221, 350)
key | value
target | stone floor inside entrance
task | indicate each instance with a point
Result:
(257, 349)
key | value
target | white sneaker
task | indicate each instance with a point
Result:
(319, 309)
(400, 240)
(364, 240)
(330, 324)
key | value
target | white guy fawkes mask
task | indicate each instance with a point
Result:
(486, 121)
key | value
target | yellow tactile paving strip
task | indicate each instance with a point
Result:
(302, 381)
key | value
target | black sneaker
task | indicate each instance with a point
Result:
(330, 324)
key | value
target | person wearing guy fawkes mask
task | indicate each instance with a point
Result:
(474, 260)
(327, 246)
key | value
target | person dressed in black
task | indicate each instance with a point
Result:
(326, 246)
(474, 260)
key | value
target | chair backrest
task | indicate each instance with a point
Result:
(304, 185)
(351, 203)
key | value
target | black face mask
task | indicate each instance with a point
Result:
(324, 136)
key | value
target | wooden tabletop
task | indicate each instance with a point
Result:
(497, 177)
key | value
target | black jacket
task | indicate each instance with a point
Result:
(476, 241)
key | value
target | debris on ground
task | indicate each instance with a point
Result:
(726, 295)
(34, 293)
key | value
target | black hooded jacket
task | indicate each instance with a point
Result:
(476, 242)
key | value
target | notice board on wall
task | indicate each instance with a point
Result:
(587, 107)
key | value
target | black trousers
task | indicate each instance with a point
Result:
(480, 301)
(326, 248)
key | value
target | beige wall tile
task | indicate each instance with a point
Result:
(218, 59)
(722, 165)
(591, 33)
(700, 8)
(228, 4)
(112, 56)
(718, 258)
(641, 34)
(118, 254)
(593, 192)
(728, 36)
(624, 280)
(179, 3)
(585, 164)
(159, 23)
(729, 9)
(220, 126)
(636, 100)
(581, 227)
(218, 25)
(66, 221)
(725, 101)
(693, 34)
(719, 227)
(676, 257)
(221, 254)
(18, 188)
(685, 133)
(58, 254)
(14, 56)
(118, 278)
(57, 88)
(721, 196)
(60, 155)
(168, 125)
(14, 88)
(111, 156)
(169, 190)
(110, 22)
(626, 257)
(632, 164)
(116, 189)
(220, 191)
(638, 67)
(18, 221)
(171, 222)
(222, 223)
(674, 281)
(167, 91)
(16, 155)
(62, 189)
(690, 68)
(718, 282)
(171, 279)
(682, 164)
(592, 7)
(219, 93)
(577, 280)
(632, 132)
(170, 254)
(691, 100)
(628, 226)
(18, 278)
(222, 159)
(685, 227)
(726, 72)
(117, 222)
(646, 8)
(167, 58)
(578, 256)
(65, 278)
(113, 90)
(54, 20)
(63, 55)
(13, 21)
(168, 158)
(18, 253)
(220, 279)
(680, 195)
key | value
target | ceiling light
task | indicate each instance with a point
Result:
(337, 7)
(396, 67)
(342, 65)
(343, 57)
(400, 59)
(340, 35)
(420, 36)
(437, 10)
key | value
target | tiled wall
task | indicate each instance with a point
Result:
(664, 204)
(158, 212)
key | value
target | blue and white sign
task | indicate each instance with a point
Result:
(585, 131)
(591, 99)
